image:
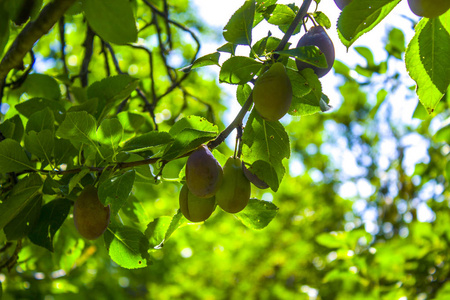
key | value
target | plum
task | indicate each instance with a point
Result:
(195, 209)
(429, 8)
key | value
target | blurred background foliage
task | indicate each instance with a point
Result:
(363, 208)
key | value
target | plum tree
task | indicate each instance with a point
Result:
(203, 173)
(195, 209)
(253, 178)
(428, 8)
(316, 36)
(272, 93)
(90, 216)
(342, 3)
(234, 192)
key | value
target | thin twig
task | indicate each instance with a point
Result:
(88, 51)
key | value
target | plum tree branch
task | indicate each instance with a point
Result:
(32, 32)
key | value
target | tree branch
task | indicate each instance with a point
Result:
(32, 32)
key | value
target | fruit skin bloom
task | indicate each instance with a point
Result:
(272, 94)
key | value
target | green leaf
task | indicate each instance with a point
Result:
(265, 145)
(156, 230)
(279, 14)
(111, 90)
(127, 247)
(78, 126)
(322, 19)
(207, 60)
(53, 214)
(21, 225)
(307, 92)
(177, 221)
(239, 70)
(396, 43)
(22, 193)
(112, 20)
(115, 190)
(40, 144)
(12, 128)
(110, 133)
(41, 120)
(360, 17)
(147, 141)
(443, 134)
(189, 133)
(227, 48)
(41, 86)
(239, 28)
(63, 151)
(257, 214)
(33, 105)
(427, 60)
(309, 54)
(332, 240)
(12, 157)
(242, 93)
(134, 209)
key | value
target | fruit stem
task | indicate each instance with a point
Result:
(302, 12)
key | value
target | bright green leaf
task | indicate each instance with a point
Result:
(239, 28)
(40, 144)
(78, 126)
(147, 141)
(239, 70)
(207, 60)
(115, 190)
(257, 214)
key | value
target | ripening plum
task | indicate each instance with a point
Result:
(253, 178)
(234, 193)
(90, 216)
(342, 3)
(316, 36)
(203, 173)
(195, 209)
(429, 8)
(272, 94)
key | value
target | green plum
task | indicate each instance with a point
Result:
(195, 209)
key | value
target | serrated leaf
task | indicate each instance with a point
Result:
(309, 54)
(40, 144)
(265, 145)
(207, 60)
(78, 126)
(52, 216)
(189, 133)
(112, 20)
(147, 141)
(19, 227)
(127, 247)
(239, 28)
(427, 61)
(322, 19)
(309, 103)
(239, 70)
(257, 214)
(12, 157)
(33, 105)
(360, 17)
(22, 193)
(115, 190)
(156, 230)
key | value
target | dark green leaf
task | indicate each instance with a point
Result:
(115, 190)
(239, 28)
(228, 48)
(134, 209)
(78, 126)
(22, 193)
(257, 214)
(12, 157)
(33, 105)
(309, 54)
(147, 141)
(207, 60)
(40, 86)
(112, 20)
(360, 17)
(309, 103)
(41, 120)
(127, 247)
(40, 144)
(53, 214)
(110, 133)
(239, 70)
(19, 227)
(189, 133)
(12, 128)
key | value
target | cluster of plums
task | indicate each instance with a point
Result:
(208, 184)
(422, 8)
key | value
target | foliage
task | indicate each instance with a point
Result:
(101, 100)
